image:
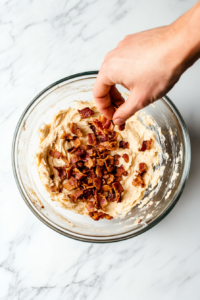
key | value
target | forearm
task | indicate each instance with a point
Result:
(186, 31)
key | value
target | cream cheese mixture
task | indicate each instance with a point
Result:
(135, 133)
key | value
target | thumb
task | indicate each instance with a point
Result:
(134, 103)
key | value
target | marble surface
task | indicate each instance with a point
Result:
(41, 42)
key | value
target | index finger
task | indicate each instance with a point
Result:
(102, 96)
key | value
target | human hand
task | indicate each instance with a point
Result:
(148, 64)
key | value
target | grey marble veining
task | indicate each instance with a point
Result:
(41, 42)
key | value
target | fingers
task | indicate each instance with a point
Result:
(129, 108)
(102, 96)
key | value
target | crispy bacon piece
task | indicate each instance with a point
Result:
(71, 184)
(80, 164)
(55, 154)
(96, 216)
(125, 173)
(118, 190)
(120, 171)
(118, 178)
(102, 201)
(103, 138)
(75, 130)
(86, 112)
(77, 193)
(125, 156)
(76, 142)
(116, 156)
(114, 135)
(74, 159)
(142, 168)
(108, 145)
(54, 188)
(90, 163)
(122, 127)
(66, 136)
(68, 172)
(110, 179)
(111, 197)
(116, 162)
(92, 139)
(78, 174)
(89, 206)
(97, 183)
(106, 188)
(100, 162)
(146, 145)
(71, 150)
(117, 186)
(124, 145)
(61, 172)
(99, 172)
(138, 181)
(109, 162)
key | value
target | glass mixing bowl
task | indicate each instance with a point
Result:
(59, 96)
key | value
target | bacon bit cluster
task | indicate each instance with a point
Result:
(139, 180)
(92, 174)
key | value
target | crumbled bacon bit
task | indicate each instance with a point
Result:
(109, 162)
(78, 174)
(76, 142)
(102, 201)
(97, 183)
(90, 207)
(124, 145)
(86, 112)
(146, 145)
(92, 139)
(90, 163)
(110, 179)
(111, 197)
(122, 127)
(142, 168)
(75, 130)
(125, 156)
(96, 216)
(99, 172)
(54, 188)
(71, 184)
(116, 156)
(100, 162)
(106, 188)
(138, 180)
(55, 154)
(66, 136)
(77, 193)
(116, 162)
(61, 172)
(71, 150)
(120, 171)
(108, 145)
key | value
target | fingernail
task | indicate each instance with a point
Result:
(119, 121)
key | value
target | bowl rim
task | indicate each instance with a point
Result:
(99, 239)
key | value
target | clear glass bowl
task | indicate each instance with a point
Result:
(62, 94)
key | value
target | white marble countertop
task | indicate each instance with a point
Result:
(41, 42)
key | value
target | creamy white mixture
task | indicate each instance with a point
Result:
(135, 133)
